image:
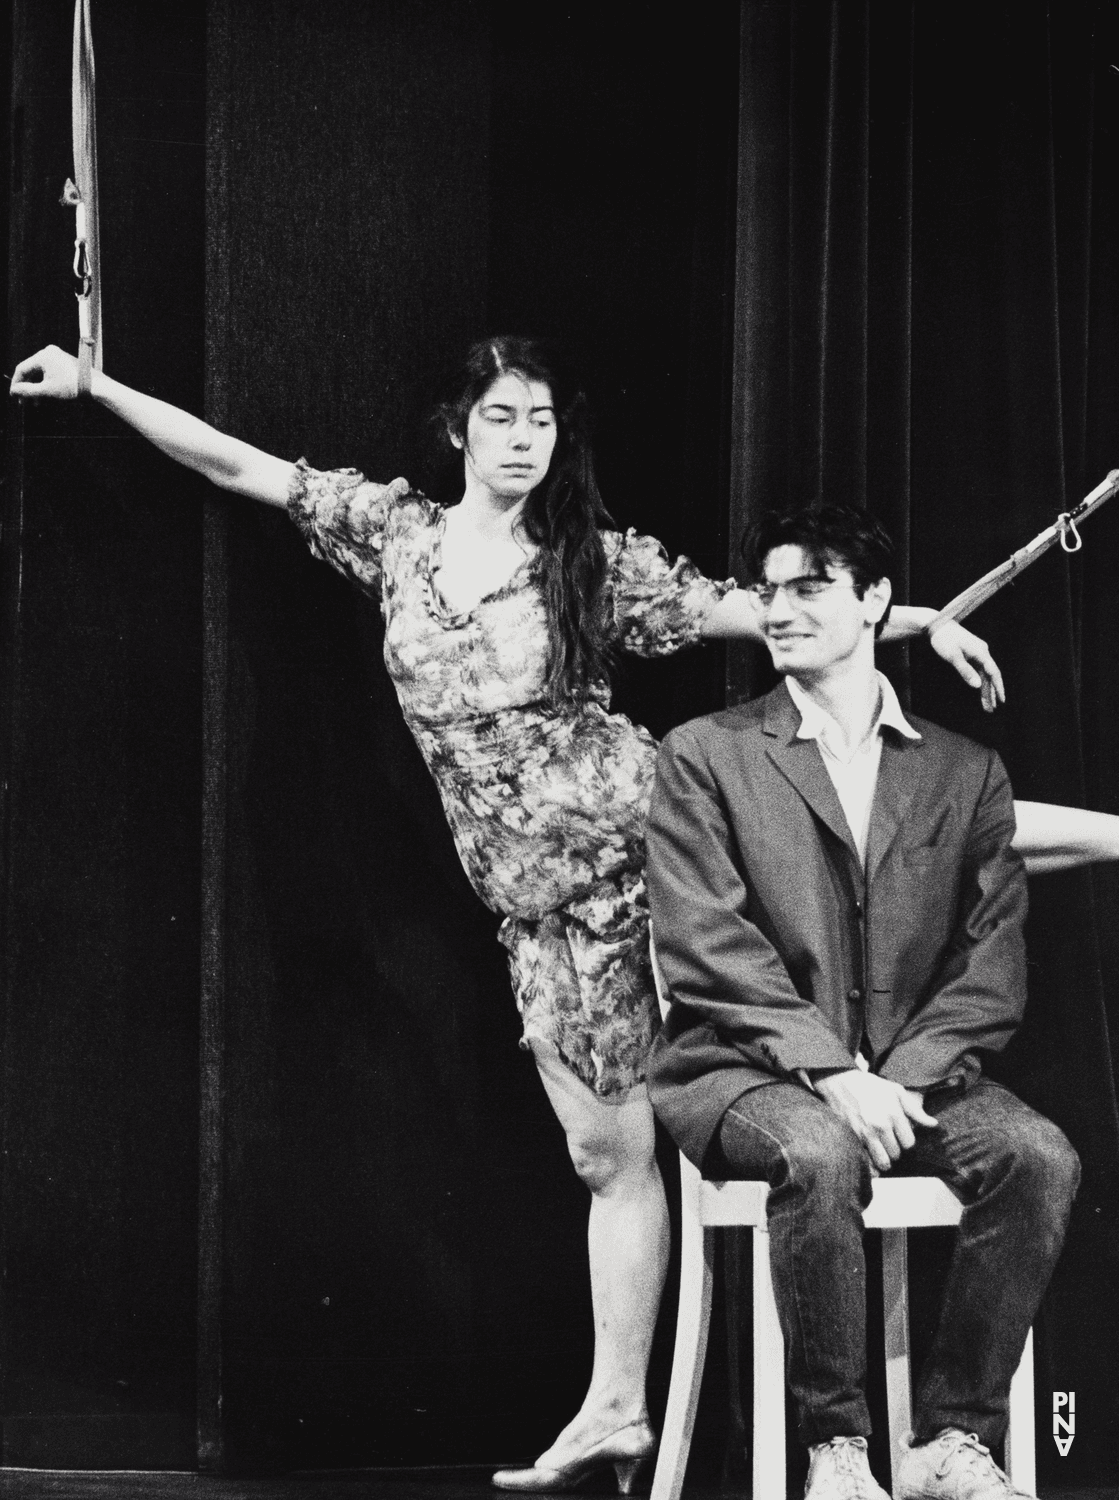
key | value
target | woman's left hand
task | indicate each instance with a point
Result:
(971, 658)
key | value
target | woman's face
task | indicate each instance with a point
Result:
(510, 437)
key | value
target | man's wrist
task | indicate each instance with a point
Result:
(811, 1077)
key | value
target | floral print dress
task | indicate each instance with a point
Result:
(547, 806)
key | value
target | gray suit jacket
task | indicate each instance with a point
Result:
(780, 955)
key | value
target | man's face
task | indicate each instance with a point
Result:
(815, 621)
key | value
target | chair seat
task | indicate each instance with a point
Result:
(898, 1203)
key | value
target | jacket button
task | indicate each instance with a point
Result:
(854, 994)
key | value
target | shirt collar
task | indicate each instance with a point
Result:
(817, 724)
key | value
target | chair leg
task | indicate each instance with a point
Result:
(692, 1323)
(1019, 1445)
(736, 1453)
(769, 1379)
(895, 1302)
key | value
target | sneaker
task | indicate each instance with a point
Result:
(954, 1466)
(839, 1470)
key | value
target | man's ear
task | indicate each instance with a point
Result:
(877, 600)
(456, 441)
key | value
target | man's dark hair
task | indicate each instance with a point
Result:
(835, 536)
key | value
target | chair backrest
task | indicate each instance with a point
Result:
(664, 999)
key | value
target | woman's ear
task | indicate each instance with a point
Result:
(455, 440)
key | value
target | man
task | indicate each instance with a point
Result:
(838, 915)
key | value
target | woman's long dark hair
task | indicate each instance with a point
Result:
(563, 516)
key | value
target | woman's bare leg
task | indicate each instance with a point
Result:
(611, 1146)
(1058, 838)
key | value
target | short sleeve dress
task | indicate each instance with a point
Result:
(547, 805)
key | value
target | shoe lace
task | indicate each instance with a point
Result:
(853, 1474)
(966, 1449)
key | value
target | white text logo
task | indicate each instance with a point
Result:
(1064, 1401)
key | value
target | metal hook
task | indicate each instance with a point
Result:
(1068, 526)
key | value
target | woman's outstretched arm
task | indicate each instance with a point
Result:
(1059, 838)
(736, 617)
(226, 461)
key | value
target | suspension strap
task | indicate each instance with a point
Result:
(81, 194)
(1063, 530)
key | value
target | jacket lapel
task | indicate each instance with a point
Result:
(800, 763)
(897, 782)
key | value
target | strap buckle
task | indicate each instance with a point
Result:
(1068, 528)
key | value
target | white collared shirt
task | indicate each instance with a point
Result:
(854, 772)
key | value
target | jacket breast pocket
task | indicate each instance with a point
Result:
(920, 858)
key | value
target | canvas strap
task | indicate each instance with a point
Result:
(81, 193)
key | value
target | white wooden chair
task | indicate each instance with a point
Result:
(898, 1204)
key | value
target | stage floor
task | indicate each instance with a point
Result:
(436, 1484)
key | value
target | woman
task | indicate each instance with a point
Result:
(501, 614)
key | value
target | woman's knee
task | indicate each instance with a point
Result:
(608, 1152)
(606, 1140)
(595, 1163)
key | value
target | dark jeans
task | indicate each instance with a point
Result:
(1015, 1173)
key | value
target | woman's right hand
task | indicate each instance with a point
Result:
(225, 461)
(51, 372)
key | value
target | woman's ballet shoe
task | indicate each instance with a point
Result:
(629, 1450)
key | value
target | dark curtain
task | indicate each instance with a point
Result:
(351, 1236)
(100, 751)
(396, 1268)
(926, 326)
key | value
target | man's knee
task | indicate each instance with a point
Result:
(830, 1163)
(1053, 1163)
(808, 1149)
(1045, 1169)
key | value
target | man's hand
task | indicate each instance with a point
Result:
(972, 659)
(881, 1113)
